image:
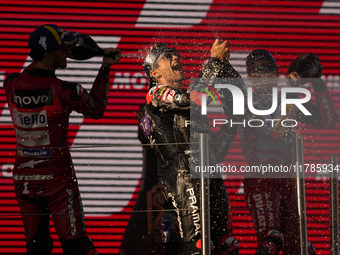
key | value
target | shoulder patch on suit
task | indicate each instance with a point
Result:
(10, 77)
(152, 91)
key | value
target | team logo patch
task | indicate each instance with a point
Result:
(33, 98)
(32, 138)
(80, 90)
(42, 42)
(145, 125)
(31, 164)
(35, 177)
(30, 119)
(34, 153)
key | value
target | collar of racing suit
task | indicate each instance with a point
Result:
(39, 72)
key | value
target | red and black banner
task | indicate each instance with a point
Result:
(107, 153)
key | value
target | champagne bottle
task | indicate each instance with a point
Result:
(306, 65)
(86, 47)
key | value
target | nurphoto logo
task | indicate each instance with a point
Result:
(238, 102)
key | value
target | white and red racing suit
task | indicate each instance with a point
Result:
(44, 177)
(272, 198)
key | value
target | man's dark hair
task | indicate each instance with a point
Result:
(152, 80)
(37, 57)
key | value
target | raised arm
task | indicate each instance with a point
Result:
(93, 104)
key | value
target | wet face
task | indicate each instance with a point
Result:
(263, 69)
(59, 57)
(169, 70)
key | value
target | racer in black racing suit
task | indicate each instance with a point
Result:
(164, 120)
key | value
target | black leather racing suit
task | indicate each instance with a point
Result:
(164, 120)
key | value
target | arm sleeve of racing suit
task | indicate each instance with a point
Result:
(100, 88)
(223, 139)
(324, 114)
(91, 104)
(218, 71)
(214, 71)
(166, 98)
